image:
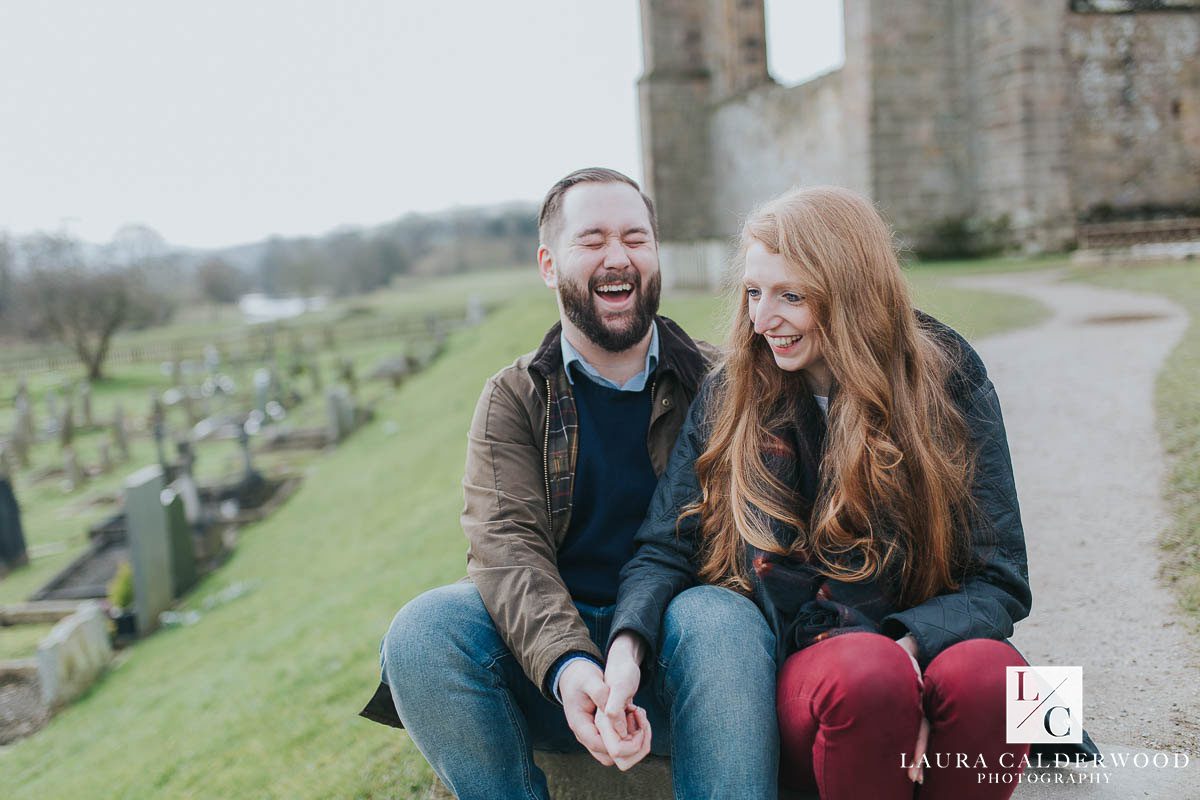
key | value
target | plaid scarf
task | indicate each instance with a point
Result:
(801, 605)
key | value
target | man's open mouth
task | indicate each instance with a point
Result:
(615, 293)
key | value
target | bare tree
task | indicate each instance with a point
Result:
(219, 281)
(84, 305)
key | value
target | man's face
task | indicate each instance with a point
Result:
(604, 264)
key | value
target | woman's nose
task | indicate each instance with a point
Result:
(764, 318)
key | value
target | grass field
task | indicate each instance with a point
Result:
(259, 699)
(1177, 400)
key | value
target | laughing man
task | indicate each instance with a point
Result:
(564, 453)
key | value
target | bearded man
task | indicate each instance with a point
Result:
(564, 454)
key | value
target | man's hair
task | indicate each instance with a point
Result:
(550, 217)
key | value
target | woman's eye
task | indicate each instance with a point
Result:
(792, 297)
(752, 294)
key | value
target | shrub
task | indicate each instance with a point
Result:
(964, 237)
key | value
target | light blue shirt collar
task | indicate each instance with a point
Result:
(635, 384)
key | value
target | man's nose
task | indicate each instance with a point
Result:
(615, 255)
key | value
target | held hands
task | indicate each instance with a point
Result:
(622, 725)
(916, 773)
(603, 716)
(584, 695)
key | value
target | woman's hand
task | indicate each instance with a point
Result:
(627, 750)
(916, 773)
(622, 675)
(622, 725)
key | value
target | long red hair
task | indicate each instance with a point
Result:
(897, 463)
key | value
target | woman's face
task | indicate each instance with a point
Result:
(780, 314)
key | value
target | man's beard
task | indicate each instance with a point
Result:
(579, 303)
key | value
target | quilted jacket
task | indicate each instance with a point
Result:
(804, 607)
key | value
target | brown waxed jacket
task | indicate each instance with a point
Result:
(518, 487)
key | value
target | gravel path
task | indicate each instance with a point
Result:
(1078, 399)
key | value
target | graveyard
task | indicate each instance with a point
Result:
(102, 503)
(252, 682)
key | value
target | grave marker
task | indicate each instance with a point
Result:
(105, 458)
(120, 436)
(73, 474)
(149, 546)
(12, 535)
(179, 532)
(85, 404)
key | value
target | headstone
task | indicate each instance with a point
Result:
(19, 445)
(158, 413)
(347, 376)
(339, 413)
(25, 413)
(73, 475)
(105, 457)
(262, 389)
(12, 535)
(160, 437)
(212, 358)
(314, 374)
(183, 553)
(73, 654)
(85, 404)
(184, 484)
(248, 470)
(149, 546)
(475, 310)
(120, 436)
(66, 425)
(52, 405)
(189, 407)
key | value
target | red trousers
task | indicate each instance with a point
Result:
(850, 708)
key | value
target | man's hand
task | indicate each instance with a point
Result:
(583, 692)
(623, 674)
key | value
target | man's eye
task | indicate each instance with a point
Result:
(635, 242)
(592, 242)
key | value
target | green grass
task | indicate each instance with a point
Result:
(1177, 403)
(259, 699)
(21, 641)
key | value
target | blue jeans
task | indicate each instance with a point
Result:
(477, 718)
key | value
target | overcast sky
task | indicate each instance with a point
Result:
(224, 122)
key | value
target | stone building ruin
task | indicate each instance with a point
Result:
(1031, 116)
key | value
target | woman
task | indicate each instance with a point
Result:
(847, 468)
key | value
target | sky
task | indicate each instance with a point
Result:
(224, 122)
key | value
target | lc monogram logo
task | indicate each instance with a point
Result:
(1044, 704)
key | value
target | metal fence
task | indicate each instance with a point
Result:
(255, 343)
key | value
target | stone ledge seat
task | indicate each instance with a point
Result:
(577, 776)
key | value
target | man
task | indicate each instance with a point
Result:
(563, 457)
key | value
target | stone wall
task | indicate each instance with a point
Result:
(916, 127)
(773, 138)
(1025, 110)
(1134, 108)
(1016, 97)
